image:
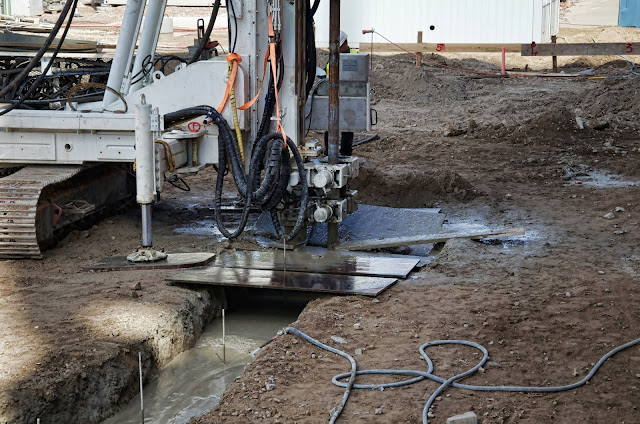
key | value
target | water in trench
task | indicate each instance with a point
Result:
(193, 383)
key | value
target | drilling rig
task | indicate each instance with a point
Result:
(81, 137)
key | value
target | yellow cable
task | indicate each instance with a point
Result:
(169, 154)
(234, 111)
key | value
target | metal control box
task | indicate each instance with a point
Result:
(354, 67)
(355, 101)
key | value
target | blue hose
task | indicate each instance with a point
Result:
(444, 383)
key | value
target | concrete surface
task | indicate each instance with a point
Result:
(592, 13)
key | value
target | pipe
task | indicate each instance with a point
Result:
(148, 40)
(124, 49)
(147, 238)
(301, 71)
(334, 81)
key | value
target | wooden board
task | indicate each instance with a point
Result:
(320, 260)
(173, 261)
(18, 42)
(547, 49)
(439, 48)
(580, 49)
(61, 55)
(427, 239)
(279, 280)
(548, 74)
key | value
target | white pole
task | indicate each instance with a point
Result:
(224, 347)
(144, 154)
(124, 49)
(141, 394)
(148, 41)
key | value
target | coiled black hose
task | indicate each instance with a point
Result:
(269, 154)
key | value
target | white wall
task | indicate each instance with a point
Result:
(26, 7)
(453, 21)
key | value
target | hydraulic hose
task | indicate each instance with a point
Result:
(207, 33)
(268, 154)
(304, 198)
(311, 46)
(418, 375)
(354, 368)
(269, 104)
(41, 77)
(47, 43)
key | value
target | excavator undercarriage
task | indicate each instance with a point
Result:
(39, 204)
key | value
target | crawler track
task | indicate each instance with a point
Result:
(37, 202)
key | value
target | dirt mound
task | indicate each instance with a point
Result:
(408, 188)
(398, 78)
(549, 127)
(610, 104)
(615, 100)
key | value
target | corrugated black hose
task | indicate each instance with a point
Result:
(268, 154)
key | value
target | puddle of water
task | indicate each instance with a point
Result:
(530, 237)
(202, 227)
(602, 179)
(371, 223)
(208, 227)
(193, 383)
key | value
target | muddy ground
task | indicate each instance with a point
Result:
(507, 152)
(504, 152)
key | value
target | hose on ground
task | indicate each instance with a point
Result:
(418, 375)
(354, 369)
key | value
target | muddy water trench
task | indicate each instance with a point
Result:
(195, 380)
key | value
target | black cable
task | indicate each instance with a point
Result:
(232, 49)
(36, 60)
(46, 69)
(144, 71)
(269, 106)
(304, 197)
(173, 181)
(164, 60)
(207, 34)
(311, 61)
(314, 8)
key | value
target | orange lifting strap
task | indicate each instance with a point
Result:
(270, 57)
(234, 58)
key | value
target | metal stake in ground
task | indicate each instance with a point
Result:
(224, 347)
(141, 393)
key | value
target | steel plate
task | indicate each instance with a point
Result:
(319, 260)
(173, 261)
(279, 280)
